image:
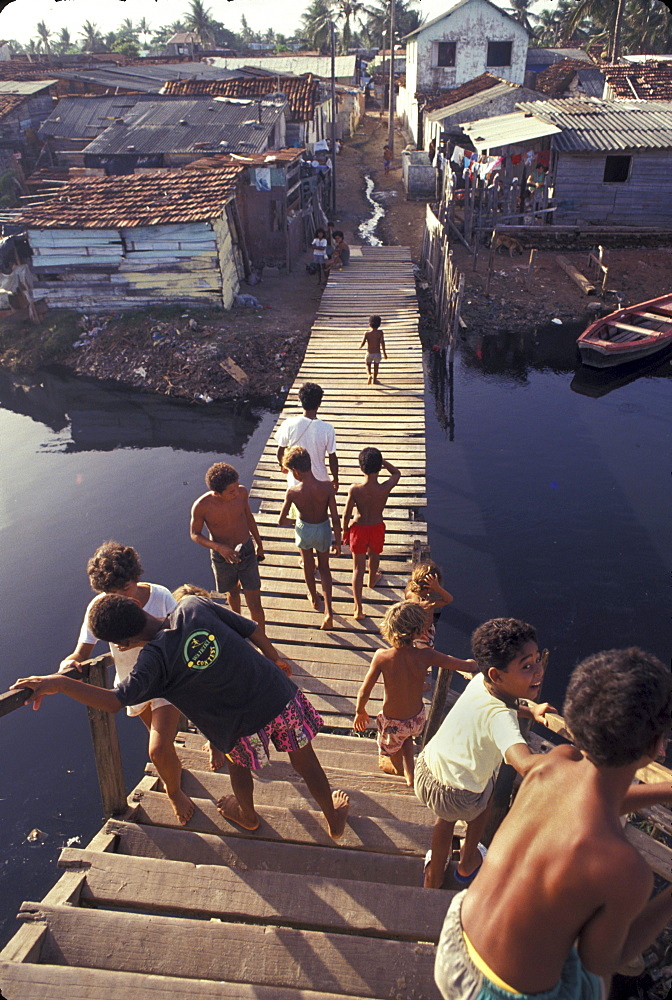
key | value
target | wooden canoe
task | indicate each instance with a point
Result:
(628, 334)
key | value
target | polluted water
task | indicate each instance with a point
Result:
(367, 229)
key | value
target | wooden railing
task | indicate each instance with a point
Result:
(103, 734)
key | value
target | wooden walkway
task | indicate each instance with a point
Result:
(150, 909)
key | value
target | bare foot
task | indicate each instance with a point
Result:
(377, 579)
(315, 601)
(183, 806)
(342, 807)
(387, 767)
(328, 623)
(217, 758)
(358, 614)
(230, 808)
(369, 380)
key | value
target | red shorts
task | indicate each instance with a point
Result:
(362, 537)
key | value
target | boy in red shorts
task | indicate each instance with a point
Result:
(366, 534)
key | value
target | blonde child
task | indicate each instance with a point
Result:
(403, 668)
(424, 588)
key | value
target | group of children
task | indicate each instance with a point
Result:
(561, 898)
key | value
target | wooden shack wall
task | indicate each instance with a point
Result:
(230, 264)
(124, 269)
(645, 199)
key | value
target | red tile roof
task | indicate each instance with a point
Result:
(649, 81)
(432, 100)
(150, 199)
(264, 159)
(302, 92)
(8, 102)
(555, 80)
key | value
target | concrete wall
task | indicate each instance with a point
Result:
(418, 175)
(645, 199)
(471, 27)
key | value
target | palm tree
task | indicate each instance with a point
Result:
(44, 34)
(166, 31)
(91, 38)
(521, 11)
(64, 41)
(378, 19)
(199, 20)
(343, 13)
(144, 29)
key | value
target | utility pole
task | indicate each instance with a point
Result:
(390, 127)
(616, 39)
(333, 120)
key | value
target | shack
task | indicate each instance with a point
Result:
(155, 238)
(24, 105)
(172, 132)
(609, 162)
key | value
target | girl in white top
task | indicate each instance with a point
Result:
(116, 569)
(319, 245)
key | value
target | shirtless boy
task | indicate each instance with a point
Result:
(225, 512)
(366, 534)
(374, 338)
(563, 899)
(239, 697)
(403, 668)
(315, 503)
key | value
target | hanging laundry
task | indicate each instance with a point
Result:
(544, 159)
(458, 154)
(529, 158)
(515, 160)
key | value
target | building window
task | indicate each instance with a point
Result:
(617, 169)
(499, 53)
(445, 53)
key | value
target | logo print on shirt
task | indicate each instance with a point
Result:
(200, 650)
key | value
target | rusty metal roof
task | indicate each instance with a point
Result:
(433, 100)
(25, 87)
(148, 78)
(649, 81)
(594, 125)
(302, 92)
(86, 117)
(148, 199)
(185, 126)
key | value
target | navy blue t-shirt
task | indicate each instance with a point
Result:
(202, 663)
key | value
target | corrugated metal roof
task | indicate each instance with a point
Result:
(505, 130)
(86, 117)
(25, 87)
(593, 125)
(147, 79)
(291, 64)
(545, 57)
(148, 199)
(453, 110)
(302, 92)
(183, 126)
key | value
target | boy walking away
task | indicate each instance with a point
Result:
(116, 569)
(403, 668)
(235, 543)
(563, 899)
(374, 338)
(387, 158)
(240, 698)
(315, 503)
(366, 534)
(316, 436)
(455, 773)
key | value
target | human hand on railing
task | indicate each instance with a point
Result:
(69, 663)
(39, 686)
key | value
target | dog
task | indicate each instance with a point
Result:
(508, 243)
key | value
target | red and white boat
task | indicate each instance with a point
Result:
(628, 334)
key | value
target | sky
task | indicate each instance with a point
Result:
(18, 19)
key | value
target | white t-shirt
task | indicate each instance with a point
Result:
(471, 743)
(316, 436)
(161, 602)
(319, 249)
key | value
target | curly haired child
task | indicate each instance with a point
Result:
(403, 668)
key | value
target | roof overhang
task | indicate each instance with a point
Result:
(506, 130)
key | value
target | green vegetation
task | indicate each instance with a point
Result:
(25, 346)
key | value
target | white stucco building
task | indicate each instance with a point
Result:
(473, 37)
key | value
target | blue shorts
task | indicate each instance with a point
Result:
(313, 536)
(458, 978)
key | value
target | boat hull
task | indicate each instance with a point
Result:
(628, 335)
(595, 357)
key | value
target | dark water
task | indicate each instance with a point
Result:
(545, 502)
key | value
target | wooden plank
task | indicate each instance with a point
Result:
(656, 855)
(297, 826)
(267, 956)
(239, 852)
(271, 898)
(58, 982)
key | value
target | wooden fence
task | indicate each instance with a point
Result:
(446, 282)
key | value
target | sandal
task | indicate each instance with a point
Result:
(466, 880)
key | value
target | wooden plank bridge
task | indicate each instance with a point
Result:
(212, 911)
(209, 911)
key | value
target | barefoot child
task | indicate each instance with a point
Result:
(366, 534)
(319, 245)
(225, 512)
(116, 569)
(403, 668)
(315, 503)
(374, 338)
(424, 588)
(455, 773)
(563, 899)
(240, 699)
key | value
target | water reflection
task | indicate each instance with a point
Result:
(101, 417)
